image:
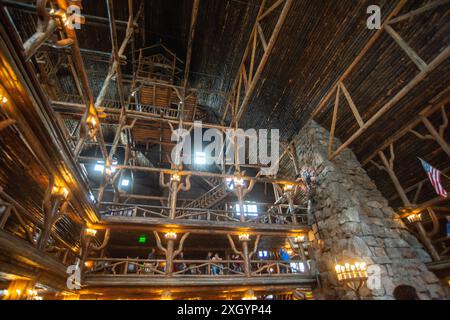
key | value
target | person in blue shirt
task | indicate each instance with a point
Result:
(284, 256)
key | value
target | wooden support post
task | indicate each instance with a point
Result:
(426, 241)
(436, 135)
(239, 193)
(5, 215)
(290, 198)
(173, 198)
(352, 105)
(389, 168)
(169, 257)
(247, 267)
(334, 121)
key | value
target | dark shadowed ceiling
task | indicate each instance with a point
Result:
(317, 43)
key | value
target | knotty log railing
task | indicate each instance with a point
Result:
(194, 268)
(30, 224)
(147, 211)
(115, 104)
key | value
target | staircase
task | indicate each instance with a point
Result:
(212, 197)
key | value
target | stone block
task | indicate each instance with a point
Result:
(429, 277)
(378, 252)
(382, 260)
(349, 215)
(393, 253)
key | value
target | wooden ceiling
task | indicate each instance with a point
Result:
(317, 43)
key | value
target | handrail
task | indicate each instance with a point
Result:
(148, 211)
(213, 268)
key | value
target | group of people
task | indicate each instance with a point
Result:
(213, 265)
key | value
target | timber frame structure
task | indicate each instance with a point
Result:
(78, 121)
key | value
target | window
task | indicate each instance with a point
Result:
(250, 210)
(125, 183)
(263, 254)
(200, 158)
(100, 166)
(297, 267)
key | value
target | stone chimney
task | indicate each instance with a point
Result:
(352, 220)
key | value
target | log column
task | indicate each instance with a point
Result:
(388, 166)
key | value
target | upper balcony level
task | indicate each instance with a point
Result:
(274, 220)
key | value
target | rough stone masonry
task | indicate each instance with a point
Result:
(354, 221)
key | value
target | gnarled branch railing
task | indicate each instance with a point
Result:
(115, 104)
(194, 268)
(30, 224)
(147, 211)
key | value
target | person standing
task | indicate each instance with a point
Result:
(285, 258)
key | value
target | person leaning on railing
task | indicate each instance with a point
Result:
(181, 266)
(208, 267)
(236, 265)
(150, 266)
(217, 267)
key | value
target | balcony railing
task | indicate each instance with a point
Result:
(195, 268)
(147, 211)
(137, 107)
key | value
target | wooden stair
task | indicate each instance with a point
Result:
(212, 197)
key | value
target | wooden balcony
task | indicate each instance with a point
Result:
(135, 217)
(151, 273)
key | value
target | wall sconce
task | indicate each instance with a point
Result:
(244, 237)
(31, 293)
(288, 187)
(249, 295)
(60, 191)
(170, 235)
(91, 121)
(3, 100)
(92, 124)
(166, 295)
(353, 276)
(415, 217)
(90, 232)
(175, 177)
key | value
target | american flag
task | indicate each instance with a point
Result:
(435, 178)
